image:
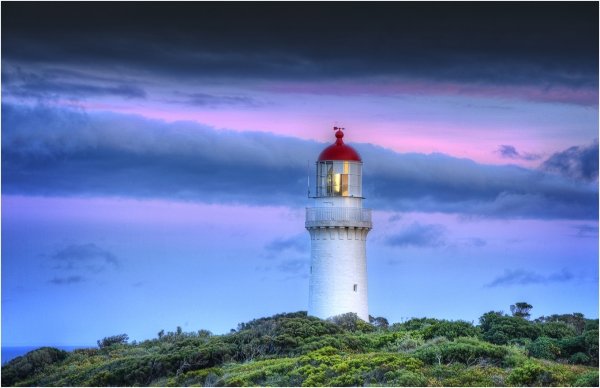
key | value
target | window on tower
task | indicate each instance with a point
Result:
(355, 287)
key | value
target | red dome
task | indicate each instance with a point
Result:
(339, 150)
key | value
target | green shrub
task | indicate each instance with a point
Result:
(294, 350)
(318, 343)
(88, 352)
(516, 356)
(450, 330)
(468, 351)
(403, 345)
(120, 339)
(575, 321)
(591, 324)
(351, 322)
(404, 378)
(413, 324)
(523, 342)
(579, 358)
(587, 379)
(476, 376)
(543, 374)
(571, 345)
(500, 329)
(526, 374)
(26, 366)
(196, 377)
(558, 330)
(544, 347)
(591, 344)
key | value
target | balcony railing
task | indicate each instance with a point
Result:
(338, 216)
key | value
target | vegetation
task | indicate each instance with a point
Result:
(297, 350)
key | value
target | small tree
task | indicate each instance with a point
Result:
(204, 333)
(351, 322)
(379, 322)
(113, 340)
(521, 309)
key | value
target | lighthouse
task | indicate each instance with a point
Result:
(338, 226)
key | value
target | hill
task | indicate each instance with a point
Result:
(297, 350)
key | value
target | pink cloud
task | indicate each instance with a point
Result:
(404, 116)
(469, 140)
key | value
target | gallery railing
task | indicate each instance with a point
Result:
(338, 216)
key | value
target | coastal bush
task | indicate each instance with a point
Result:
(31, 363)
(587, 379)
(119, 339)
(500, 329)
(468, 351)
(450, 330)
(526, 374)
(557, 330)
(294, 350)
(544, 347)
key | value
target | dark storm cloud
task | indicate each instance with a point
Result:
(284, 246)
(438, 182)
(66, 280)
(586, 230)
(45, 85)
(87, 258)
(77, 263)
(210, 100)
(579, 162)
(419, 235)
(294, 266)
(395, 218)
(476, 242)
(297, 243)
(63, 152)
(510, 152)
(522, 278)
(541, 44)
(287, 256)
(115, 155)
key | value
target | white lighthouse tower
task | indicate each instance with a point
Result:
(338, 227)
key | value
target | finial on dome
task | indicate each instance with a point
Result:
(339, 135)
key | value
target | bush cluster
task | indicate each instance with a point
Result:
(297, 350)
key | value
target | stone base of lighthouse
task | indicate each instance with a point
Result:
(338, 273)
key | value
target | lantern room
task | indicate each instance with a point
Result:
(339, 170)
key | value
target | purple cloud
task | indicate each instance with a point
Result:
(419, 235)
(83, 258)
(66, 280)
(510, 152)
(578, 162)
(523, 277)
(586, 230)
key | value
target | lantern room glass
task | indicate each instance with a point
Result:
(339, 178)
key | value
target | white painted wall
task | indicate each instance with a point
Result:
(338, 262)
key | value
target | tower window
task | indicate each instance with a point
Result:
(355, 287)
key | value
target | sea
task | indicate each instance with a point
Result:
(11, 352)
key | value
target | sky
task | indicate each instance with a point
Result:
(155, 159)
